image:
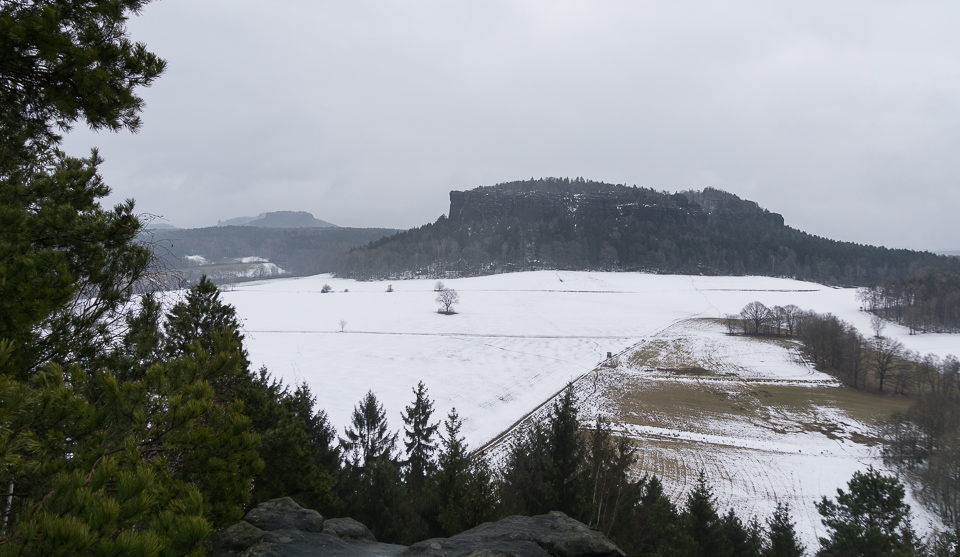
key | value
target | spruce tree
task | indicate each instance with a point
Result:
(418, 438)
(567, 471)
(465, 491)
(702, 523)
(368, 437)
(783, 538)
(198, 317)
(296, 444)
(658, 528)
(744, 540)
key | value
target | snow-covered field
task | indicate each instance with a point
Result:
(520, 338)
(759, 421)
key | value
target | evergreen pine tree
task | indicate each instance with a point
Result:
(368, 437)
(199, 316)
(658, 528)
(295, 445)
(783, 537)
(464, 485)
(567, 471)
(869, 520)
(744, 540)
(418, 438)
(702, 523)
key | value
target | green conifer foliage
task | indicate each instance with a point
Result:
(783, 540)
(295, 444)
(367, 437)
(64, 61)
(702, 522)
(870, 519)
(418, 438)
(464, 485)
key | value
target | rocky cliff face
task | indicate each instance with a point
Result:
(584, 202)
(281, 528)
(577, 225)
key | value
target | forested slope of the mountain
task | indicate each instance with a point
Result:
(556, 223)
(299, 251)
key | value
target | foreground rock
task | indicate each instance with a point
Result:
(553, 534)
(281, 528)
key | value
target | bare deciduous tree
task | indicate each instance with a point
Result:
(756, 314)
(877, 324)
(447, 297)
(885, 354)
(343, 324)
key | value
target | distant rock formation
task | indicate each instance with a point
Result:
(279, 219)
(558, 223)
(281, 528)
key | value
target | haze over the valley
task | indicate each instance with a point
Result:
(844, 118)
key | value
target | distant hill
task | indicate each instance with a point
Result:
(298, 251)
(556, 223)
(279, 219)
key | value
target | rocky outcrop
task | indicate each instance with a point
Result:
(284, 514)
(281, 528)
(587, 202)
(348, 529)
(553, 534)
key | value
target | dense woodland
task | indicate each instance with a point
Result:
(567, 224)
(130, 426)
(299, 251)
(924, 303)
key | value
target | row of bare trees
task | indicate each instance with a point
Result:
(866, 362)
(922, 443)
(757, 319)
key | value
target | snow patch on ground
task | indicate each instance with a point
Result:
(520, 338)
(197, 260)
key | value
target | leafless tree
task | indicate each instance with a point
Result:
(792, 317)
(447, 297)
(878, 325)
(884, 357)
(756, 314)
(778, 318)
(438, 286)
(343, 324)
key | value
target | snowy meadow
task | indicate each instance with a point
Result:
(518, 339)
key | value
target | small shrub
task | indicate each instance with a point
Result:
(326, 288)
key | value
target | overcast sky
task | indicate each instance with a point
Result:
(842, 116)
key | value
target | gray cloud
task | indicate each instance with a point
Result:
(842, 116)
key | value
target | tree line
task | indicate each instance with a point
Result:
(922, 443)
(873, 362)
(299, 251)
(924, 303)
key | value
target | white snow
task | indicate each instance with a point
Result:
(520, 338)
(517, 339)
(197, 260)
